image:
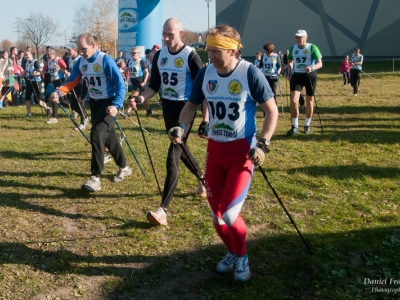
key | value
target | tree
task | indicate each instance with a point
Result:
(190, 37)
(38, 29)
(100, 20)
(6, 44)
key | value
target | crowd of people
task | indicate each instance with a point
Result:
(228, 90)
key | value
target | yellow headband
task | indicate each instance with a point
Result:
(222, 42)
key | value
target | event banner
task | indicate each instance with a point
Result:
(139, 24)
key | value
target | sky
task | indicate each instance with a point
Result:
(192, 13)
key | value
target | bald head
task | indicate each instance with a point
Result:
(174, 23)
(172, 34)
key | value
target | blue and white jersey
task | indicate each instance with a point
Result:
(72, 62)
(176, 79)
(55, 75)
(30, 68)
(231, 106)
(98, 85)
(135, 68)
(270, 65)
(357, 58)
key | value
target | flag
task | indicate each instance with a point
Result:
(9, 97)
(16, 86)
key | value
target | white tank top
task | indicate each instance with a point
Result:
(302, 58)
(230, 104)
(95, 78)
(176, 80)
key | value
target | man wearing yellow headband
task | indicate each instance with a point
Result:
(232, 88)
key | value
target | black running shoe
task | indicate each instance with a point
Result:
(307, 130)
(294, 130)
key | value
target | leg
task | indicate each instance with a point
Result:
(228, 180)
(103, 134)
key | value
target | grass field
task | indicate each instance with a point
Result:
(340, 187)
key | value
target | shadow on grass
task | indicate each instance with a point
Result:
(346, 133)
(351, 171)
(280, 265)
(70, 155)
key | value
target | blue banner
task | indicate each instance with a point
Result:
(139, 24)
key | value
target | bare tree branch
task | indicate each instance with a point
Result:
(38, 29)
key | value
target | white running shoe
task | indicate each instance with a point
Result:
(122, 173)
(242, 269)
(52, 121)
(93, 184)
(83, 126)
(227, 264)
(159, 217)
(201, 190)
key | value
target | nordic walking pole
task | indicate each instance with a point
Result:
(280, 92)
(174, 134)
(5, 95)
(284, 208)
(316, 105)
(148, 152)
(37, 98)
(83, 109)
(191, 163)
(129, 119)
(287, 96)
(73, 121)
(370, 76)
(129, 146)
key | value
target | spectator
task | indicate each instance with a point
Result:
(355, 72)
(6, 75)
(258, 62)
(155, 48)
(120, 58)
(345, 70)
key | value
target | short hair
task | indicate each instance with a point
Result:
(12, 48)
(51, 50)
(89, 38)
(228, 31)
(357, 49)
(137, 49)
(19, 52)
(269, 47)
(258, 53)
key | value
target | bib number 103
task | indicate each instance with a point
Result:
(219, 110)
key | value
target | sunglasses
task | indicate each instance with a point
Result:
(134, 52)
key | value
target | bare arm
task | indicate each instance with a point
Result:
(270, 120)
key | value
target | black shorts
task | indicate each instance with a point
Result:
(300, 80)
(136, 87)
